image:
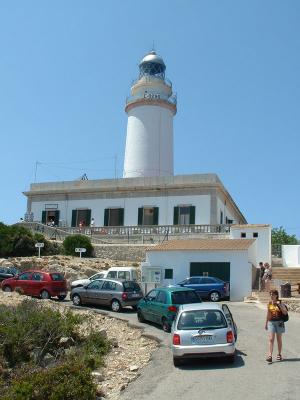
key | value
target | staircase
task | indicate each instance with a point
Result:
(280, 276)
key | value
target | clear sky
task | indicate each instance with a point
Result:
(66, 69)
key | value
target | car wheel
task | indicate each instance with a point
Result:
(115, 306)
(214, 296)
(140, 316)
(61, 298)
(165, 325)
(45, 295)
(177, 361)
(7, 289)
(76, 300)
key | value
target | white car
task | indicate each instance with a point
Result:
(203, 330)
(83, 282)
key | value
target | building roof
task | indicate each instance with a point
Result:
(250, 226)
(203, 244)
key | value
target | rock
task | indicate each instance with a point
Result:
(66, 342)
(98, 376)
(114, 342)
(133, 368)
(103, 333)
(48, 360)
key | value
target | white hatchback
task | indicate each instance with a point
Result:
(86, 281)
(203, 330)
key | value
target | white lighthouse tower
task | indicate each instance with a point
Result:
(150, 109)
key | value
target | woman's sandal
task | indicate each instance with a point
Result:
(269, 359)
(279, 357)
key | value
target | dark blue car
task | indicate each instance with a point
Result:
(207, 287)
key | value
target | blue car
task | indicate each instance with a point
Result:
(207, 287)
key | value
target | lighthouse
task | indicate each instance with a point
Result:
(150, 108)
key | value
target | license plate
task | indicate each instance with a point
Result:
(135, 295)
(202, 339)
(62, 293)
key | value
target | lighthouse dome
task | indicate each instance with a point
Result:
(152, 65)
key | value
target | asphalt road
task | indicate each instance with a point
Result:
(250, 377)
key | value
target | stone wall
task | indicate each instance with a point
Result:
(121, 252)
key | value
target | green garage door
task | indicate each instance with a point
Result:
(219, 270)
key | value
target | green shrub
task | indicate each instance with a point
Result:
(91, 350)
(50, 248)
(16, 241)
(29, 326)
(73, 241)
(68, 381)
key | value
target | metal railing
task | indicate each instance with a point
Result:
(127, 234)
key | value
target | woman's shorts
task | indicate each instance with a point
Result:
(276, 327)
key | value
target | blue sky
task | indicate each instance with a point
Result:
(66, 69)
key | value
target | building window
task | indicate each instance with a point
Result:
(50, 217)
(169, 273)
(255, 234)
(184, 215)
(243, 234)
(81, 217)
(114, 217)
(148, 216)
(221, 217)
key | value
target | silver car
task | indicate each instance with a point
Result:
(203, 330)
(108, 292)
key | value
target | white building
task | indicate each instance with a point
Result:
(262, 233)
(228, 259)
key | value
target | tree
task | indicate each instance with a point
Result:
(73, 241)
(279, 236)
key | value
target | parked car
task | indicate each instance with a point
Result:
(8, 272)
(38, 283)
(160, 305)
(207, 287)
(203, 330)
(108, 292)
(86, 281)
(122, 273)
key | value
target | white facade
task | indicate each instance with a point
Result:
(179, 261)
(291, 255)
(262, 234)
(165, 204)
(149, 142)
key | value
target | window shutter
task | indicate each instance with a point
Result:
(192, 215)
(140, 215)
(121, 216)
(155, 216)
(74, 217)
(106, 216)
(176, 212)
(43, 217)
(88, 217)
(56, 218)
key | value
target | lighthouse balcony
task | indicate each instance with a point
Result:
(172, 100)
(151, 79)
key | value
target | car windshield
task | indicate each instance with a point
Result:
(57, 277)
(201, 319)
(185, 297)
(131, 286)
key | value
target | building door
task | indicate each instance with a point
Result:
(148, 216)
(219, 270)
(81, 217)
(184, 215)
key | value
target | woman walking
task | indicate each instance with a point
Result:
(275, 324)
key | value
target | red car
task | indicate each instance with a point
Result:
(37, 283)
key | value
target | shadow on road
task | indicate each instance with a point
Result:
(213, 363)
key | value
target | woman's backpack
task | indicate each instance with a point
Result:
(285, 317)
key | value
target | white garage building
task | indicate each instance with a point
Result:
(228, 259)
